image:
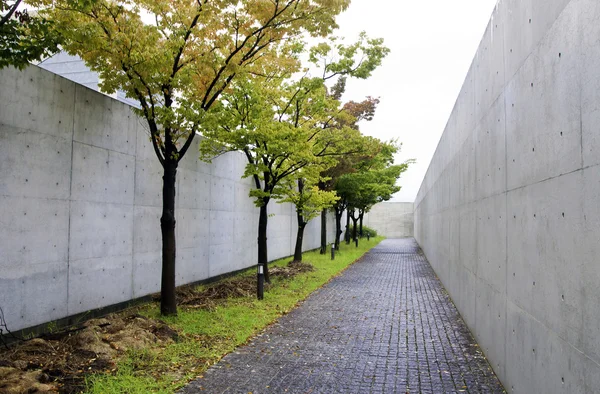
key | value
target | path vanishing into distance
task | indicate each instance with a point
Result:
(386, 325)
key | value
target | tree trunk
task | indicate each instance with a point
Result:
(354, 227)
(262, 239)
(323, 231)
(338, 227)
(299, 239)
(361, 215)
(168, 303)
(347, 235)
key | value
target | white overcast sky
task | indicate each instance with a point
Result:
(432, 45)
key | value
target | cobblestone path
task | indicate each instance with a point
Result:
(386, 325)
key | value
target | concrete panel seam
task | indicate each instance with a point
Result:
(70, 202)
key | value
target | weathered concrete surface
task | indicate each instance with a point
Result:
(391, 219)
(80, 202)
(386, 325)
(508, 211)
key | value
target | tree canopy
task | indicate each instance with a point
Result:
(177, 57)
(24, 37)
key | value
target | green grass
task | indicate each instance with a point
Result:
(206, 336)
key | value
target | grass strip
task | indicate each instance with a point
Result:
(205, 336)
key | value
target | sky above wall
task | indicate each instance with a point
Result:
(432, 44)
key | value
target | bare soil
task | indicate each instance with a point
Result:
(60, 362)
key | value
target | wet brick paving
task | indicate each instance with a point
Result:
(386, 325)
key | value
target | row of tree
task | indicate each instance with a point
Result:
(231, 71)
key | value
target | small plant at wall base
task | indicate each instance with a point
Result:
(177, 58)
(368, 232)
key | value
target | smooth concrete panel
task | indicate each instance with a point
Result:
(43, 102)
(489, 66)
(491, 242)
(102, 175)
(223, 167)
(490, 151)
(100, 230)
(34, 164)
(193, 189)
(526, 23)
(490, 324)
(192, 264)
(544, 115)
(466, 109)
(191, 159)
(222, 194)
(246, 254)
(146, 272)
(221, 227)
(103, 122)
(590, 83)
(143, 143)
(94, 283)
(148, 182)
(588, 265)
(221, 259)
(540, 361)
(391, 219)
(242, 200)
(545, 244)
(34, 295)
(468, 237)
(245, 227)
(147, 235)
(192, 227)
(33, 232)
(467, 181)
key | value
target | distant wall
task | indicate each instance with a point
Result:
(391, 219)
(80, 202)
(509, 211)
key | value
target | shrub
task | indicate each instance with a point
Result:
(366, 230)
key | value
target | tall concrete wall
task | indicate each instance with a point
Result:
(508, 213)
(80, 202)
(391, 219)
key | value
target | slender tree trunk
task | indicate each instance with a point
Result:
(338, 226)
(299, 239)
(354, 221)
(361, 215)
(168, 303)
(262, 239)
(301, 225)
(347, 236)
(323, 232)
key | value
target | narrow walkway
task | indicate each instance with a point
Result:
(385, 326)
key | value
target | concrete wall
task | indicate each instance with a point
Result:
(509, 211)
(80, 201)
(74, 69)
(391, 219)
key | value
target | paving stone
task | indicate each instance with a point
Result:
(386, 325)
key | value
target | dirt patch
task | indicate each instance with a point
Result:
(60, 362)
(292, 269)
(209, 296)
